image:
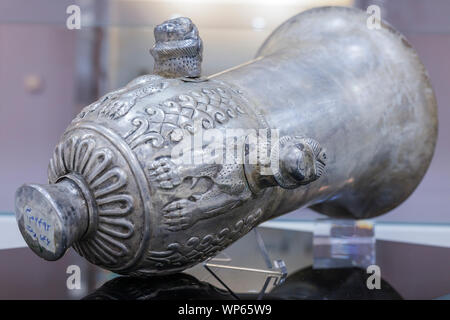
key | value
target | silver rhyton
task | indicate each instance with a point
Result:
(330, 115)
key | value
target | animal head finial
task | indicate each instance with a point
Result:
(178, 49)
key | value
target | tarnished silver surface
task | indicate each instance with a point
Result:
(353, 109)
(178, 49)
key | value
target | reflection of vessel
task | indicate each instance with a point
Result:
(333, 284)
(172, 287)
(324, 284)
(125, 200)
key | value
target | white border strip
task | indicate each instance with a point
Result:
(422, 234)
(10, 236)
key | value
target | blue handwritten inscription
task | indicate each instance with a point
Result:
(36, 226)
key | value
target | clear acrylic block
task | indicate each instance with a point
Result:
(339, 243)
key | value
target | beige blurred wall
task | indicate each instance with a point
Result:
(32, 119)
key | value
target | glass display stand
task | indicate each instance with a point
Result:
(275, 271)
(337, 243)
(341, 243)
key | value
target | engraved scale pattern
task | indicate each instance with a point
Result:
(171, 119)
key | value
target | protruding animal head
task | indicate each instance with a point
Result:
(178, 49)
(176, 29)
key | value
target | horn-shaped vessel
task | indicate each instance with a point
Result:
(342, 117)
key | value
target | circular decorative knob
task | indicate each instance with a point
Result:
(51, 217)
(293, 161)
(301, 161)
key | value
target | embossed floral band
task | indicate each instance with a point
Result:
(330, 114)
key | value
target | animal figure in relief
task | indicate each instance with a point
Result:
(197, 192)
(118, 103)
